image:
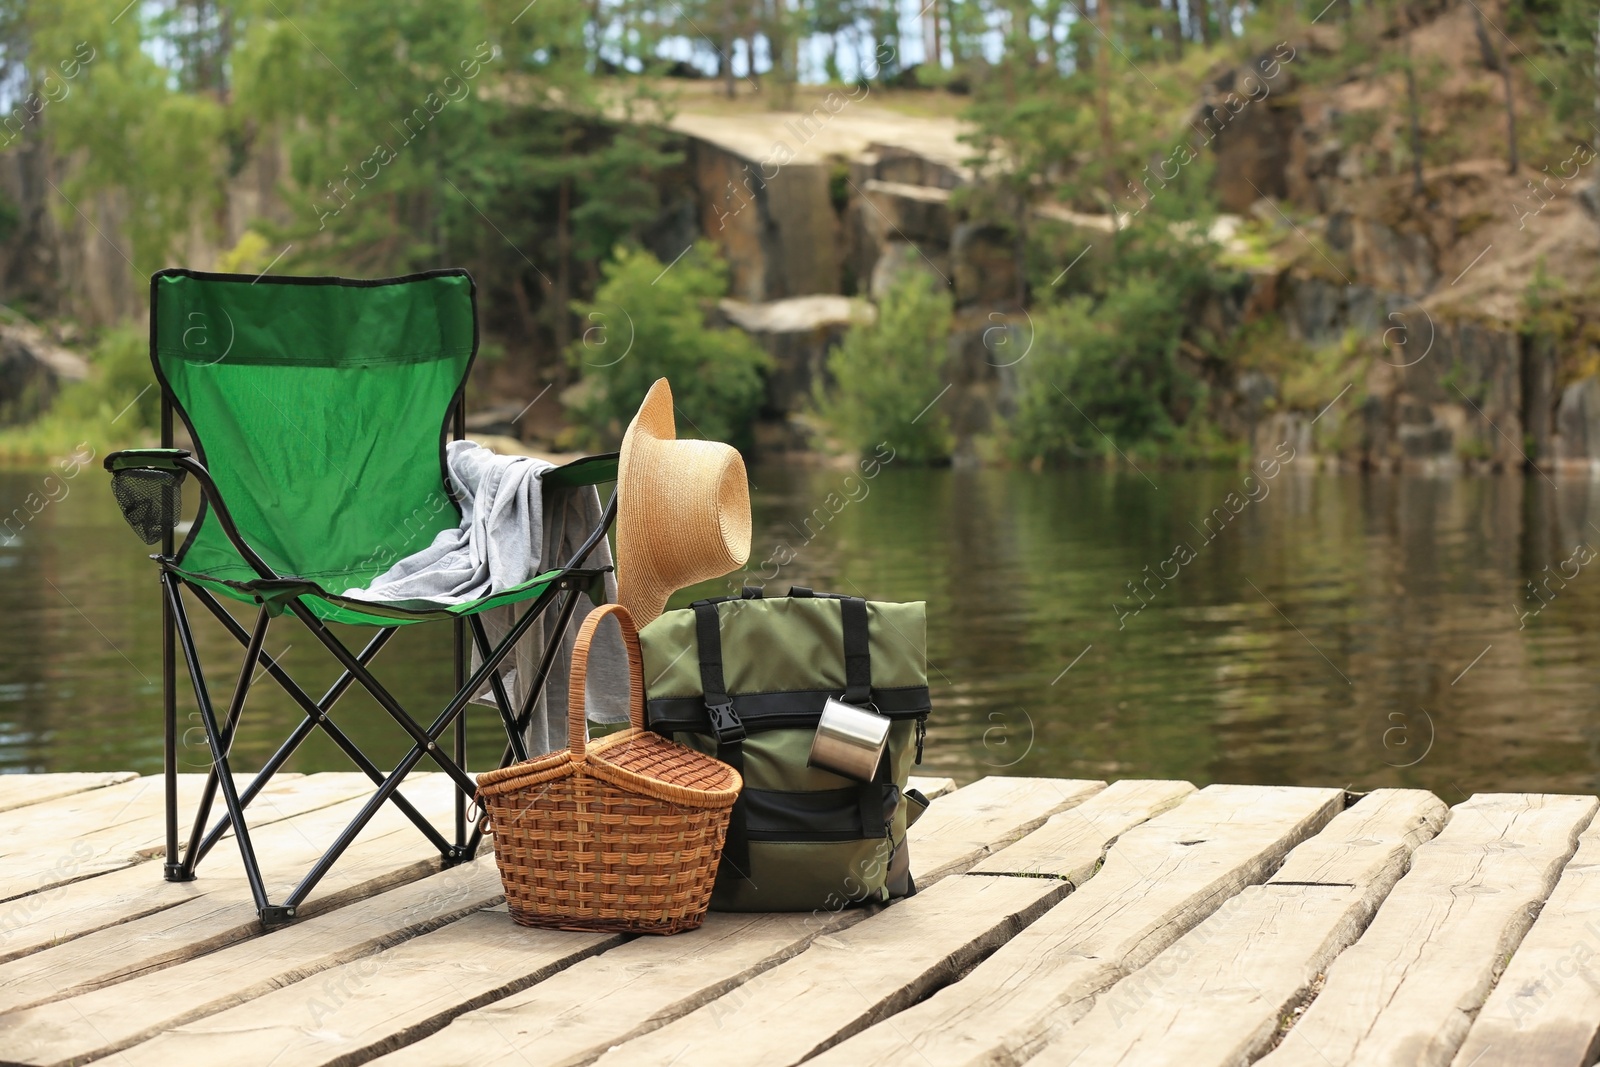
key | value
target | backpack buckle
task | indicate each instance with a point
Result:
(725, 723)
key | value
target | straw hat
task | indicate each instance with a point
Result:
(683, 509)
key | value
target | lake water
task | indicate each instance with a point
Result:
(1310, 628)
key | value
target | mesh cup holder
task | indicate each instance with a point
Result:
(151, 500)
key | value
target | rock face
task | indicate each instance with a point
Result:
(894, 213)
(77, 261)
(798, 333)
(774, 222)
(986, 347)
(869, 218)
(816, 210)
(32, 370)
(983, 266)
(1247, 117)
(1393, 260)
(1578, 425)
(1430, 394)
(1461, 401)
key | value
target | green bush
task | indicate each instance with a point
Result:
(1105, 370)
(1104, 374)
(647, 322)
(116, 406)
(887, 373)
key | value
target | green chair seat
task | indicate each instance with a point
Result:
(330, 607)
(238, 581)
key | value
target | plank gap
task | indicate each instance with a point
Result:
(1295, 1011)
(55, 883)
(7, 925)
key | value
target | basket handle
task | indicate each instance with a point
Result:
(577, 727)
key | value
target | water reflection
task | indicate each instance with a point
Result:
(1331, 629)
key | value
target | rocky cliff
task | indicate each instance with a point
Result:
(1407, 287)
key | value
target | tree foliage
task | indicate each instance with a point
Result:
(515, 138)
(888, 374)
(649, 321)
(1104, 372)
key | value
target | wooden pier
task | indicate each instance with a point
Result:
(1058, 922)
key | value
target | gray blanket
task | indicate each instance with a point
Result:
(511, 529)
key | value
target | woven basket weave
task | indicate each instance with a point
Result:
(620, 835)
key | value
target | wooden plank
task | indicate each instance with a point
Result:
(390, 852)
(1159, 880)
(52, 860)
(285, 849)
(630, 991)
(21, 790)
(1071, 843)
(847, 980)
(1545, 1009)
(991, 813)
(277, 802)
(137, 1009)
(575, 1016)
(932, 788)
(64, 911)
(1405, 993)
(376, 1004)
(70, 817)
(1215, 997)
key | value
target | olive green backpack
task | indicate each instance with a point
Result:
(744, 679)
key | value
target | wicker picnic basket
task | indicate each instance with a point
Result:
(622, 834)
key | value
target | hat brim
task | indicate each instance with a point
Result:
(683, 509)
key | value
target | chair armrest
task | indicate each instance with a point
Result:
(180, 460)
(590, 470)
(165, 459)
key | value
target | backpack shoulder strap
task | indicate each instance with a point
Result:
(725, 723)
(857, 650)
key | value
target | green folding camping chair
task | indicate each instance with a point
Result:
(319, 409)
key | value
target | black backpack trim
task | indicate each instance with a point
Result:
(815, 815)
(781, 711)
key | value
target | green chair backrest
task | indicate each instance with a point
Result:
(318, 405)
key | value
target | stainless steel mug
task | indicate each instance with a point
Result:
(849, 740)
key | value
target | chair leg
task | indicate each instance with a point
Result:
(460, 753)
(316, 712)
(219, 753)
(196, 850)
(219, 734)
(348, 835)
(317, 716)
(173, 867)
(387, 701)
(426, 738)
(426, 742)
